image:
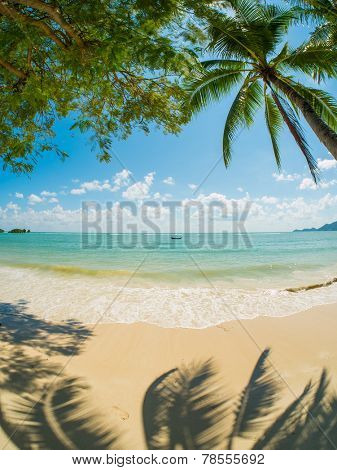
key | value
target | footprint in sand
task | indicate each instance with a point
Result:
(121, 414)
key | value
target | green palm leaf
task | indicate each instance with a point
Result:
(312, 59)
(241, 114)
(284, 52)
(210, 86)
(278, 21)
(226, 64)
(256, 401)
(274, 123)
(246, 11)
(230, 39)
(295, 128)
(322, 102)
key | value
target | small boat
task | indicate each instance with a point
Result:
(176, 237)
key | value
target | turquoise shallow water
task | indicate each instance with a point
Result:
(198, 280)
(271, 259)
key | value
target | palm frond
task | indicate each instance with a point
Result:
(295, 128)
(274, 123)
(206, 87)
(279, 19)
(230, 39)
(284, 52)
(322, 34)
(307, 14)
(184, 409)
(247, 11)
(241, 114)
(61, 419)
(324, 104)
(256, 400)
(313, 59)
(226, 64)
(317, 11)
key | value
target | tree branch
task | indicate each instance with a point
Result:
(55, 14)
(15, 15)
(11, 68)
(29, 56)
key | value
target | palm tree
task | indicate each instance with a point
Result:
(185, 408)
(323, 14)
(248, 50)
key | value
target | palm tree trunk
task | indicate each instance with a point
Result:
(324, 132)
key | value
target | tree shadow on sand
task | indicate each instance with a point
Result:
(27, 342)
(185, 408)
(40, 407)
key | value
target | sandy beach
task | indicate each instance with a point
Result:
(119, 361)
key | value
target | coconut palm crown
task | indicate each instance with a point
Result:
(248, 51)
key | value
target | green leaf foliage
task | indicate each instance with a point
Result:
(109, 67)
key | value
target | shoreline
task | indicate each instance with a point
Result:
(88, 300)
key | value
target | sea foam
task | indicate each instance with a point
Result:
(92, 300)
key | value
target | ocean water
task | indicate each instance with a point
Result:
(198, 281)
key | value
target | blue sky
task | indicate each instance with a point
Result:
(50, 198)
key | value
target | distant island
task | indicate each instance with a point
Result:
(325, 228)
(15, 230)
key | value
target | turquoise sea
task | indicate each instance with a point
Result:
(199, 280)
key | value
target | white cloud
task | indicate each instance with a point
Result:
(263, 214)
(169, 180)
(119, 180)
(95, 185)
(307, 183)
(240, 189)
(34, 199)
(53, 200)
(75, 180)
(122, 178)
(47, 194)
(284, 177)
(19, 195)
(192, 186)
(269, 199)
(13, 206)
(140, 190)
(149, 178)
(327, 184)
(77, 191)
(326, 164)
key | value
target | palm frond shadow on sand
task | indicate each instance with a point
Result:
(185, 408)
(61, 419)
